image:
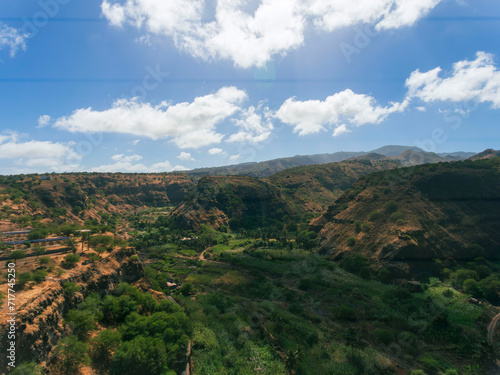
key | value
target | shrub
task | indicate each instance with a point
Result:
(71, 260)
(448, 293)
(365, 273)
(43, 261)
(353, 263)
(305, 284)
(345, 312)
(72, 353)
(397, 216)
(70, 287)
(28, 368)
(93, 257)
(39, 276)
(366, 227)
(351, 241)
(451, 371)
(357, 225)
(374, 216)
(391, 206)
(384, 275)
(475, 251)
(383, 336)
(24, 278)
(418, 372)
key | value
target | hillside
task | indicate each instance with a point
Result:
(292, 192)
(314, 188)
(83, 196)
(486, 154)
(447, 211)
(409, 154)
(267, 168)
(217, 200)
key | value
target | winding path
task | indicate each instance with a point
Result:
(492, 326)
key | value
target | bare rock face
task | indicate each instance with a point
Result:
(39, 320)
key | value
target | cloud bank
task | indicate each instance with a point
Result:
(251, 38)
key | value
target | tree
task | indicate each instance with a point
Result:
(374, 215)
(27, 368)
(83, 321)
(72, 353)
(391, 206)
(141, 356)
(17, 254)
(70, 244)
(472, 287)
(353, 263)
(351, 241)
(475, 251)
(93, 258)
(71, 260)
(293, 360)
(70, 288)
(39, 250)
(104, 345)
(43, 261)
(38, 234)
(187, 289)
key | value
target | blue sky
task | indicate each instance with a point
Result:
(153, 86)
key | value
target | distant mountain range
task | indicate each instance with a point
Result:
(407, 154)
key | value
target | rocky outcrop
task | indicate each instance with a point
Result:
(39, 320)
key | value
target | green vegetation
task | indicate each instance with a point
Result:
(142, 335)
(71, 260)
(279, 289)
(28, 368)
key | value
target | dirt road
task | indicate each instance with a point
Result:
(492, 326)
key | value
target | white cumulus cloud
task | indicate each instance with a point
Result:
(217, 151)
(477, 80)
(126, 164)
(339, 130)
(190, 125)
(251, 38)
(12, 38)
(254, 127)
(185, 156)
(339, 110)
(43, 121)
(125, 158)
(38, 156)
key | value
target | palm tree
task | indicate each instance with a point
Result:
(293, 360)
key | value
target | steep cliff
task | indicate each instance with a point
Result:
(39, 320)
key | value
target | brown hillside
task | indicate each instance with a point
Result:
(430, 212)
